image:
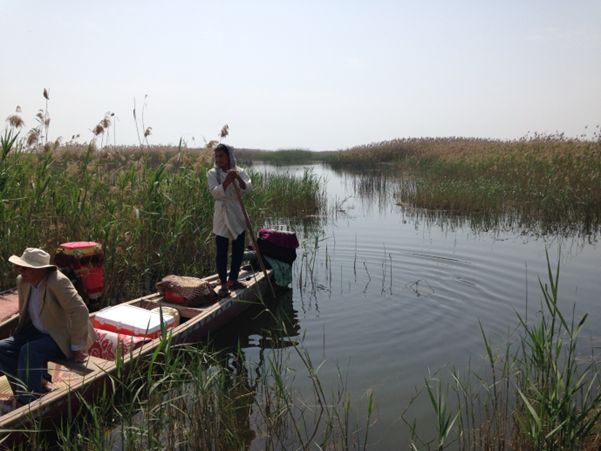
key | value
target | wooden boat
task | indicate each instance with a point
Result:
(72, 381)
(9, 309)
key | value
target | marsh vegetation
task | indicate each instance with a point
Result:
(265, 388)
(150, 208)
(537, 394)
(550, 180)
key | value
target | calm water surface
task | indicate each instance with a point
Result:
(388, 295)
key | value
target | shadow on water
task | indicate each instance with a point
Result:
(273, 326)
(264, 328)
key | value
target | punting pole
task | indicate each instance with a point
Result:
(252, 235)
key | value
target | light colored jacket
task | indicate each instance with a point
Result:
(62, 311)
(228, 218)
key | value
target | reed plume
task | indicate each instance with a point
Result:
(33, 136)
(99, 129)
(225, 131)
(14, 120)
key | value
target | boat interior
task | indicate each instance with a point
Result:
(114, 342)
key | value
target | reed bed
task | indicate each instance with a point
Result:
(150, 208)
(189, 397)
(553, 180)
(284, 157)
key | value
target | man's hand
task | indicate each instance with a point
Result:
(230, 177)
(236, 176)
(79, 356)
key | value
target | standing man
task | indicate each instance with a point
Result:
(53, 324)
(228, 218)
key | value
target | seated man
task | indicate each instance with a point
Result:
(53, 324)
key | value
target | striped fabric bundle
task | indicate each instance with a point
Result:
(185, 290)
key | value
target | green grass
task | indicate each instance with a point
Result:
(186, 396)
(549, 182)
(539, 394)
(150, 208)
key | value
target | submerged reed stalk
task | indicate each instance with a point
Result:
(538, 394)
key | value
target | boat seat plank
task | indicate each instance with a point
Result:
(64, 373)
(68, 372)
(184, 311)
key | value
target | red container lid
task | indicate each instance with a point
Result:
(80, 244)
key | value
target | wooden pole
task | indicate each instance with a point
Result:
(252, 235)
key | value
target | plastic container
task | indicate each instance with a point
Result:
(80, 248)
(130, 320)
(84, 258)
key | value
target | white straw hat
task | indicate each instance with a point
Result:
(32, 258)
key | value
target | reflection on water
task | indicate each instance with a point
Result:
(381, 189)
(390, 292)
(383, 294)
(272, 326)
(375, 190)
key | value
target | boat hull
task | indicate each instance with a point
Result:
(47, 412)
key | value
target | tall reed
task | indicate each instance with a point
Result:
(538, 395)
(150, 209)
(551, 180)
(186, 397)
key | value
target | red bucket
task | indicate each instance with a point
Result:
(84, 259)
(91, 278)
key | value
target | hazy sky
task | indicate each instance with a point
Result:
(305, 74)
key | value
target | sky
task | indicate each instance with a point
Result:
(318, 75)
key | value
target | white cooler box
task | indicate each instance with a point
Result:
(130, 320)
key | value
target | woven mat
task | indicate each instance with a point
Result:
(9, 305)
(5, 391)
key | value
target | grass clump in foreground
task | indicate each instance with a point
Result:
(539, 395)
(186, 397)
(150, 208)
(553, 180)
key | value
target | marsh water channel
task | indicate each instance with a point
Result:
(384, 295)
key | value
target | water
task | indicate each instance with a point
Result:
(390, 294)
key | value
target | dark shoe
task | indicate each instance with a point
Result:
(223, 291)
(235, 285)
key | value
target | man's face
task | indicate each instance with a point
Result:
(222, 160)
(31, 275)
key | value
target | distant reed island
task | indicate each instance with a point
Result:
(547, 178)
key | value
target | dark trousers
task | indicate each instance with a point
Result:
(237, 253)
(24, 360)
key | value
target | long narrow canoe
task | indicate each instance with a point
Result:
(72, 382)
